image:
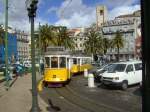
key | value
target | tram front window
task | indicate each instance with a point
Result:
(47, 62)
(62, 62)
(54, 62)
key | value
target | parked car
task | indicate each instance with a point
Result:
(123, 74)
(27, 64)
(3, 67)
(99, 72)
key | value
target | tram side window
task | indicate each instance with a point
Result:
(87, 61)
(47, 62)
(74, 61)
(62, 62)
(54, 62)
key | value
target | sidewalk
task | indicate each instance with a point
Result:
(19, 97)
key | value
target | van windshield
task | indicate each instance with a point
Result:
(116, 68)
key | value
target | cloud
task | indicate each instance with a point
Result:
(71, 14)
(75, 14)
(78, 20)
(18, 15)
(52, 9)
(118, 3)
(122, 10)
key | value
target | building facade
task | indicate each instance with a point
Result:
(22, 45)
(127, 25)
(12, 48)
(77, 34)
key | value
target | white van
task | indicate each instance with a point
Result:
(123, 74)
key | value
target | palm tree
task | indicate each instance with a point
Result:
(93, 45)
(106, 45)
(62, 38)
(118, 43)
(47, 36)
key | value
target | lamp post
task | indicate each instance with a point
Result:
(6, 44)
(40, 49)
(32, 7)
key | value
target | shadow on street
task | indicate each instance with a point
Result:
(51, 106)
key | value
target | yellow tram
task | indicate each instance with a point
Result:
(57, 70)
(60, 65)
(80, 63)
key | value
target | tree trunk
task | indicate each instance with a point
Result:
(118, 55)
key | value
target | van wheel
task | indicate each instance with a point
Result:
(124, 85)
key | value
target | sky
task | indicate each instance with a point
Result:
(70, 13)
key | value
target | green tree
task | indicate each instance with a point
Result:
(118, 43)
(55, 36)
(63, 38)
(47, 36)
(93, 45)
(106, 44)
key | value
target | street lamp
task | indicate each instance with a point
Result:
(6, 44)
(32, 7)
(40, 71)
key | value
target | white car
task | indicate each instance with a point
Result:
(27, 64)
(99, 72)
(123, 74)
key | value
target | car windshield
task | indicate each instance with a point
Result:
(106, 67)
(117, 68)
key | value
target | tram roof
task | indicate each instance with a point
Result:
(57, 53)
(80, 55)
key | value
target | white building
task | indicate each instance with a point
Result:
(79, 39)
(22, 45)
(127, 25)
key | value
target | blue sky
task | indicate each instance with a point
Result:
(71, 13)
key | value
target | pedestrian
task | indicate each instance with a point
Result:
(41, 66)
(19, 70)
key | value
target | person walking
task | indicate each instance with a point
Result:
(41, 66)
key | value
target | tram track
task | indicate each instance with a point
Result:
(84, 102)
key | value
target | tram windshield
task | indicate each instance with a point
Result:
(54, 62)
(62, 62)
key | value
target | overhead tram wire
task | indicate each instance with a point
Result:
(62, 12)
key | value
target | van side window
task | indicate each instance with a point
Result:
(129, 68)
(138, 66)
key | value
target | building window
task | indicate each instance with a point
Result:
(101, 12)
